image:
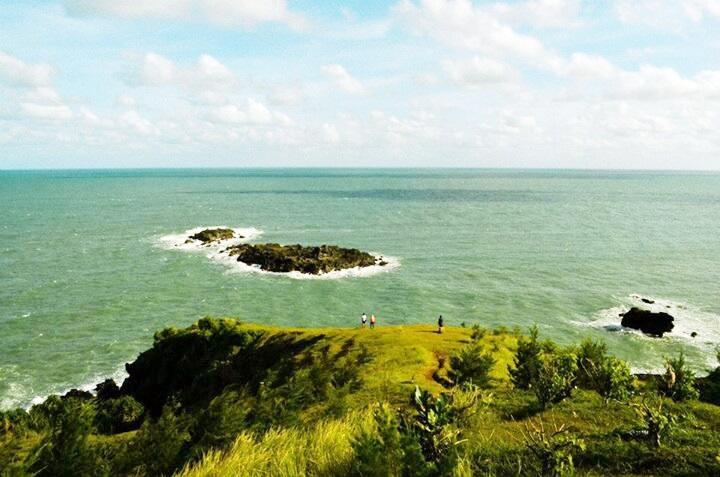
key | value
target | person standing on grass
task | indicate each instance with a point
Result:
(441, 322)
(372, 320)
(363, 320)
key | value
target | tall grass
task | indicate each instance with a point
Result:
(321, 450)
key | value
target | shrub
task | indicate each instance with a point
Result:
(478, 333)
(709, 387)
(471, 365)
(378, 451)
(158, 444)
(609, 376)
(527, 361)
(556, 378)
(553, 449)
(433, 425)
(118, 415)
(65, 451)
(678, 382)
(656, 421)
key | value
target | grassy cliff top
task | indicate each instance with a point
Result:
(222, 397)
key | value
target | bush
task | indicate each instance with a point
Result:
(158, 444)
(678, 382)
(478, 333)
(379, 451)
(552, 449)
(609, 376)
(471, 365)
(556, 378)
(65, 450)
(709, 387)
(655, 420)
(118, 415)
(527, 361)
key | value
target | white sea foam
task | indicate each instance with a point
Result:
(18, 394)
(688, 320)
(216, 252)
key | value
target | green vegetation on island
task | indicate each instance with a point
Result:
(274, 257)
(227, 398)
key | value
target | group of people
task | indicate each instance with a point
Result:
(373, 320)
(364, 319)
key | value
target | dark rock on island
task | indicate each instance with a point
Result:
(213, 235)
(650, 323)
(274, 257)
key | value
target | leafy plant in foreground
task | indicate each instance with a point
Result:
(553, 448)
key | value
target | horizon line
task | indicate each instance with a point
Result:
(340, 168)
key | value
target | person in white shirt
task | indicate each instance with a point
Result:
(363, 320)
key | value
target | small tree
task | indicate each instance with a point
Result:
(527, 361)
(471, 365)
(556, 378)
(655, 420)
(609, 376)
(678, 382)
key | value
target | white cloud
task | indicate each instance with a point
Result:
(244, 13)
(47, 111)
(647, 83)
(138, 124)
(15, 72)
(539, 13)
(44, 103)
(206, 74)
(664, 14)
(330, 133)
(252, 112)
(344, 80)
(461, 24)
(479, 71)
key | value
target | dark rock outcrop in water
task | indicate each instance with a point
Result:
(213, 235)
(650, 323)
(274, 257)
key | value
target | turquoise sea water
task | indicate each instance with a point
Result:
(84, 281)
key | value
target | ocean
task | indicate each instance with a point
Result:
(87, 274)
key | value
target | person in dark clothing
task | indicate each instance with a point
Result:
(441, 322)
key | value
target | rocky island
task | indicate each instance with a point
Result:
(650, 323)
(213, 235)
(312, 260)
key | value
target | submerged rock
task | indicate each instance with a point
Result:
(213, 235)
(647, 300)
(650, 323)
(274, 257)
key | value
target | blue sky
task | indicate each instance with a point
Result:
(450, 83)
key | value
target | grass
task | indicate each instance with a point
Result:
(404, 356)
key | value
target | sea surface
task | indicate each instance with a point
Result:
(86, 277)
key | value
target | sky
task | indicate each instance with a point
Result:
(597, 84)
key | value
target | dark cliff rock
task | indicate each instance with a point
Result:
(650, 323)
